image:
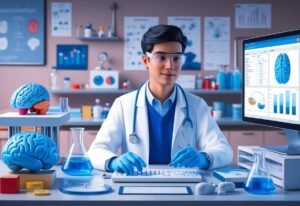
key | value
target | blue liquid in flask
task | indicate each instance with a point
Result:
(77, 163)
(78, 166)
(260, 186)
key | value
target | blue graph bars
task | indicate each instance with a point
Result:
(284, 98)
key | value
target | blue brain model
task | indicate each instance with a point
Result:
(29, 94)
(282, 68)
(30, 150)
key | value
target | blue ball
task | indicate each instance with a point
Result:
(31, 150)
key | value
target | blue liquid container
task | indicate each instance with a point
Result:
(236, 79)
(78, 166)
(259, 181)
(260, 186)
(77, 163)
(221, 79)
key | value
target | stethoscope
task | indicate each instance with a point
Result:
(133, 137)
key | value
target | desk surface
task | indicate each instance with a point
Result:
(239, 197)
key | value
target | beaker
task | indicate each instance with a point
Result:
(259, 180)
(77, 162)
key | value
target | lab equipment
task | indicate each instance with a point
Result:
(77, 162)
(283, 104)
(64, 104)
(31, 96)
(67, 83)
(126, 163)
(236, 79)
(221, 78)
(199, 81)
(189, 157)
(97, 109)
(54, 79)
(85, 188)
(105, 111)
(259, 180)
(282, 168)
(160, 175)
(134, 139)
(30, 150)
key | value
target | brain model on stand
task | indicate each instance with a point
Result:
(30, 150)
(33, 97)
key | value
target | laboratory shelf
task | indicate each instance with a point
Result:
(122, 91)
(99, 39)
(226, 121)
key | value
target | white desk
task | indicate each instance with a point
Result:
(239, 197)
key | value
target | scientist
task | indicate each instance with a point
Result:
(160, 123)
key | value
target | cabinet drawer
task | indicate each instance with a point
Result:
(244, 138)
(277, 137)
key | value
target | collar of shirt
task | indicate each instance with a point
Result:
(161, 108)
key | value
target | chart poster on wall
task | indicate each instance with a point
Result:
(134, 28)
(61, 19)
(190, 26)
(71, 57)
(250, 16)
(216, 42)
(22, 32)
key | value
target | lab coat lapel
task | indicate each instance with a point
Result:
(178, 119)
(142, 126)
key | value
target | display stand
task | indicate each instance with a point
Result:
(49, 123)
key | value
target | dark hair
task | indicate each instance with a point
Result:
(162, 33)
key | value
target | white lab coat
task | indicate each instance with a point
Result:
(204, 136)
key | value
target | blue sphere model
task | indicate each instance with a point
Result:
(30, 150)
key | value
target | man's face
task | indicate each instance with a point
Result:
(164, 63)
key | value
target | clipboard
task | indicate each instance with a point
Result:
(155, 190)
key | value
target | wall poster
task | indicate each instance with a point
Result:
(22, 32)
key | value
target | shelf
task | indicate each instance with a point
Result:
(90, 91)
(99, 39)
(122, 91)
(97, 122)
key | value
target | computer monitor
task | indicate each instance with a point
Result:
(271, 85)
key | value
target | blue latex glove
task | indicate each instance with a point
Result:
(126, 163)
(189, 157)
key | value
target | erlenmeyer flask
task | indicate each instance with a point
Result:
(77, 162)
(259, 180)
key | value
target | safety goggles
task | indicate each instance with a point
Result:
(161, 58)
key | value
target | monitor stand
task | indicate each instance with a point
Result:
(293, 147)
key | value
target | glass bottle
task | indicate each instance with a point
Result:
(105, 111)
(236, 79)
(77, 162)
(54, 79)
(97, 109)
(221, 78)
(259, 180)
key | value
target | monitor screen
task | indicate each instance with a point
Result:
(271, 80)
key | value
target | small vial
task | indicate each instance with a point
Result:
(67, 83)
(105, 111)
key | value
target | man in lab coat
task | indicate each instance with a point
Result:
(160, 123)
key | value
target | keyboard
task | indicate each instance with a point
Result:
(160, 175)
